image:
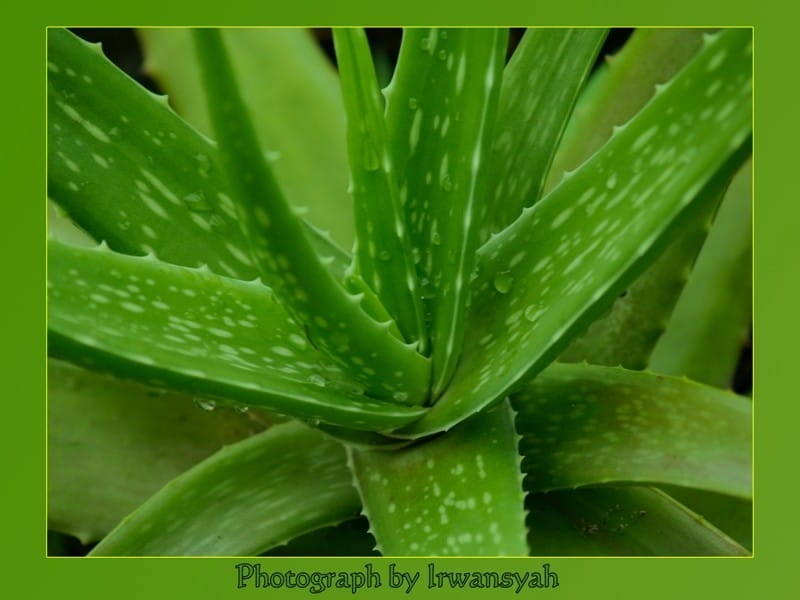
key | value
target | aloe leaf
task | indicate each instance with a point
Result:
(732, 515)
(367, 349)
(382, 255)
(627, 335)
(245, 499)
(705, 334)
(282, 72)
(195, 331)
(112, 166)
(441, 108)
(588, 425)
(350, 538)
(459, 494)
(540, 85)
(62, 228)
(547, 276)
(112, 444)
(610, 521)
(620, 88)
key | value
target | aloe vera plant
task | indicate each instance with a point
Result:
(475, 377)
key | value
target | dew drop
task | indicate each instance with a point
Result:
(242, 408)
(413, 103)
(203, 164)
(204, 403)
(316, 379)
(447, 183)
(611, 182)
(503, 282)
(385, 255)
(442, 54)
(532, 312)
(218, 224)
(400, 396)
(197, 202)
(436, 239)
(369, 155)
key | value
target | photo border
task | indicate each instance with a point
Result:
(775, 291)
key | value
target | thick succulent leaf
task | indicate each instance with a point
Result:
(587, 425)
(112, 444)
(631, 521)
(334, 319)
(627, 335)
(705, 334)
(732, 515)
(620, 88)
(195, 331)
(61, 227)
(382, 254)
(350, 538)
(113, 165)
(540, 85)
(114, 168)
(546, 277)
(281, 72)
(243, 500)
(441, 110)
(458, 494)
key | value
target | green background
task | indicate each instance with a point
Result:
(26, 571)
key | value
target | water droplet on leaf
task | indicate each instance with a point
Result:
(369, 155)
(503, 282)
(197, 202)
(204, 403)
(317, 380)
(532, 312)
(218, 224)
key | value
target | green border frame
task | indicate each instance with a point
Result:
(27, 573)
